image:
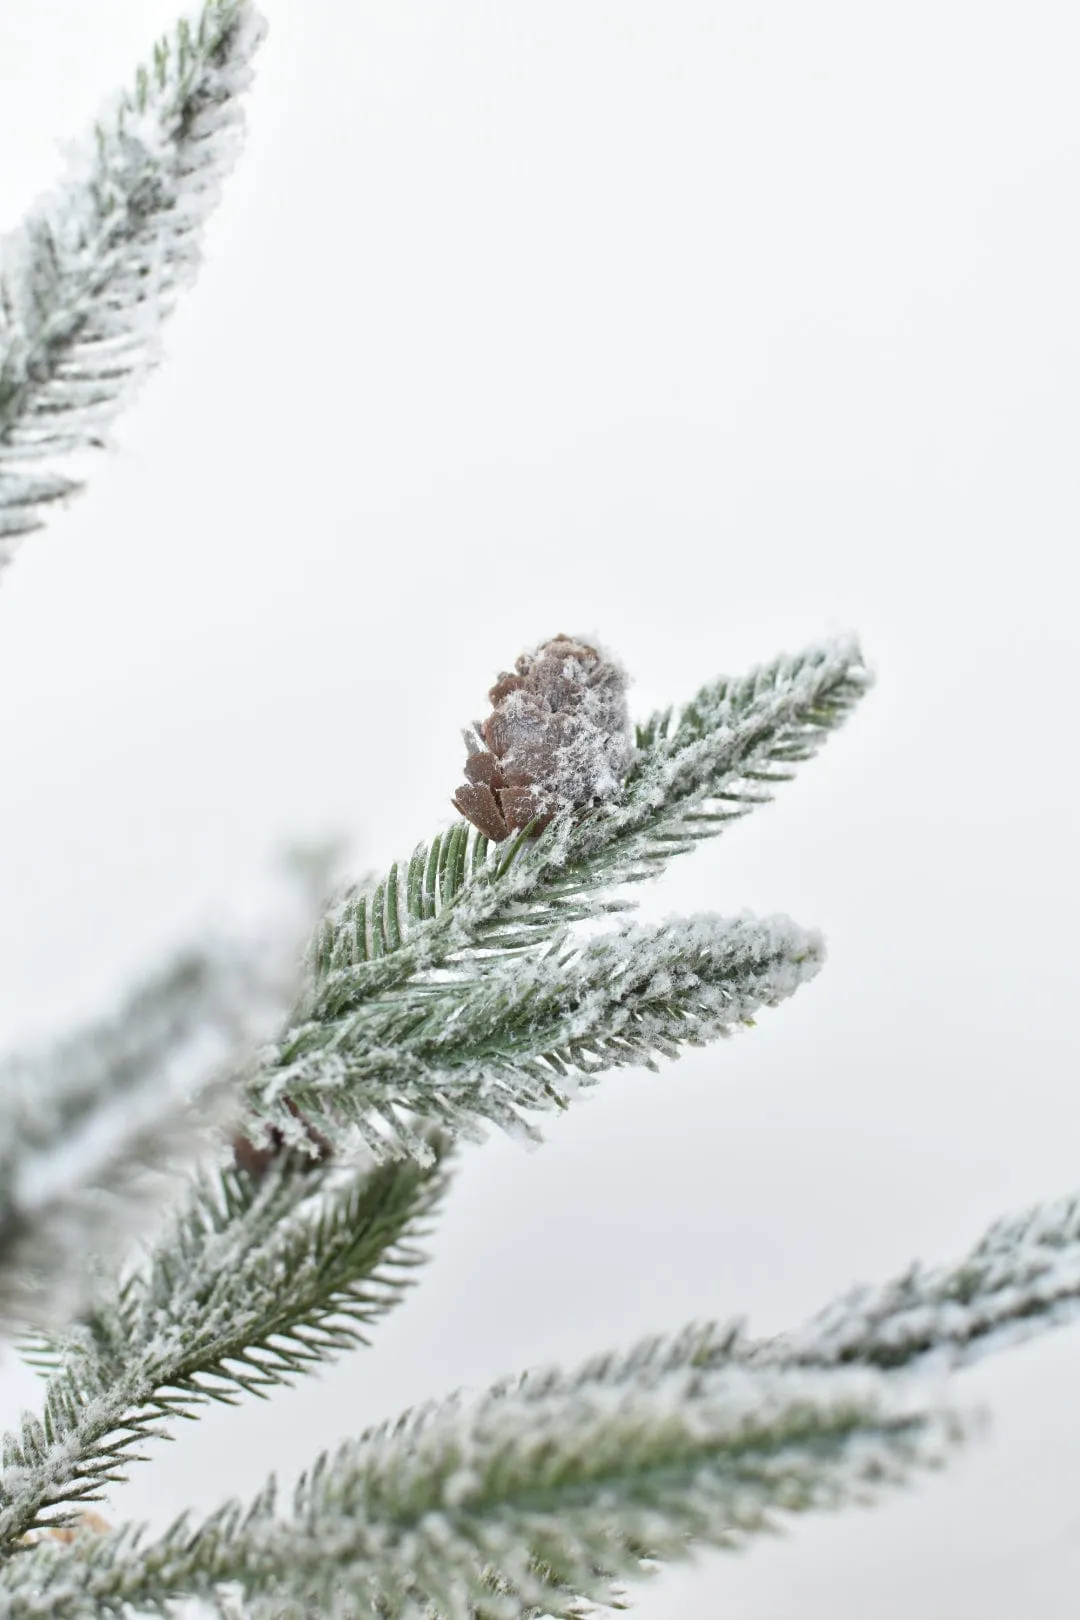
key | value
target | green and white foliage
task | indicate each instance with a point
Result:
(555, 1486)
(87, 279)
(1022, 1277)
(470, 996)
(254, 1279)
(95, 1128)
(316, 1107)
(545, 1491)
(522, 1036)
(456, 988)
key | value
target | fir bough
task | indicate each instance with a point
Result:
(94, 1128)
(87, 278)
(444, 934)
(253, 1280)
(470, 986)
(540, 1493)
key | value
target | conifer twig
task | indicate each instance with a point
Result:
(253, 1280)
(89, 1125)
(87, 279)
(1021, 1278)
(523, 1035)
(541, 1493)
(459, 897)
(431, 935)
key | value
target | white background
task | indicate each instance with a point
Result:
(710, 329)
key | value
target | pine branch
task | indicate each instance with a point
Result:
(254, 1280)
(466, 980)
(1020, 1279)
(543, 1492)
(90, 1125)
(431, 936)
(460, 897)
(88, 278)
(523, 1035)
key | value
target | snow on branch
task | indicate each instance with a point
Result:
(428, 938)
(541, 1493)
(1020, 1279)
(457, 991)
(252, 1280)
(511, 1504)
(87, 279)
(460, 894)
(90, 1124)
(521, 1035)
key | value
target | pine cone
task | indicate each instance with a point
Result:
(257, 1160)
(558, 738)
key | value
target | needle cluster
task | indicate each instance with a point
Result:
(488, 977)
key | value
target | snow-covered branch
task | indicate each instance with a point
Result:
(1020, 1279)
(394, 960)
(541, 1493)
(459, 894)
(87, 279)
(500, 1039)
(252, 1280)
(457, 991)
(90, 1125)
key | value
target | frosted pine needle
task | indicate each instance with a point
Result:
(500, 1040)
(88, 278)
(543, 1492)
(95, 1128)
(1022, 1277)
(457, 990)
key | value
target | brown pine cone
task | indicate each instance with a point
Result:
(558, 738)
(257, 1160)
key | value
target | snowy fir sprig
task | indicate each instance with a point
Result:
(88, 277)
(540, 1493)
(483, 980)
(1022, 1277)
(461, 1549)
(95, 1128)
(515, 1037)
(255, 1278)
(425, 963)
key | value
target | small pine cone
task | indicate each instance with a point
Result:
(256, 1161)
(558, 738)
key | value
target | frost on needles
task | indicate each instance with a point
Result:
(484, 979)
(87, 279)
(95, 1128)
(458, 989)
